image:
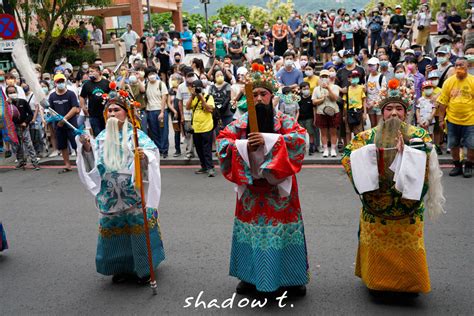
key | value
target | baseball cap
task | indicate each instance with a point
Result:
(433, 74)
(354, 73)
(442, 50)
(199, 26)
(410, 51)
(59, 77)
(348, 52)
(197, 84)
(426, 84)
(373, 61)
(398, 6)
(324, 72)
(242, 71)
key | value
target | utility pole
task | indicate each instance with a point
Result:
(206, 2)
(150, 25)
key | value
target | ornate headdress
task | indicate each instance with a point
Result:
(395, 93)
(121, 98)
(262, 78)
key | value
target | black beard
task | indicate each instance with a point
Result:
(264, 118)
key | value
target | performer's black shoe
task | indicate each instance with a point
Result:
(467, 173)
(119, 278)
(245, 288)
(457, 170)
(143, 281)
(295, 291)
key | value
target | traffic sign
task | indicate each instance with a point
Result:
(8, 27)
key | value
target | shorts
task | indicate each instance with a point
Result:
(63, 134)
(308, 124)
(375, 111)
(326, 121)
(326, 50)
(460, 135)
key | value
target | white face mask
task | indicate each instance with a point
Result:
(13, 96)
(152, 78)
(288, 63)
(303, 63)
(306, 92)
(428, 91)
(205, 82)
(308, 73)
(435, 82)
(132, 79)
(63, 60)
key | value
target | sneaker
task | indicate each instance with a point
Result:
(20, 165)
(333, 152)
(176, 155)
(165, 156)
(467, 173)
(211, 173)
(457, 170)
(200, 171)
(325, 153)
(438, 150)
(54, 154)
(36, 167)
(295, 291)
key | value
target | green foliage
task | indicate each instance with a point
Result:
(280, 8)
(414, 5)
(258, 17)
(161, 19)
(232, 11)
(194, 19)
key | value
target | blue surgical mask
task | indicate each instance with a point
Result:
(442, 60)
(61, 86)
(45, 90)
(399, 75)
(349, 61)
(417, 54)
(384, 63)
(355, 81)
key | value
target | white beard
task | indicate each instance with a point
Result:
(116, 154)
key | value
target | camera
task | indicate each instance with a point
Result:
(198, 90)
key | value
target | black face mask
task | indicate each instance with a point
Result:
(177, 60)
(264, 118)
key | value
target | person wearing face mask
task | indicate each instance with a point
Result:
(310, 76)
(83, 70)
(454, 23)
(426, 108)
(10, 80)
(423, 19)
(350, 65)
(469, 55)
(398, 19)
(221, 91)
(438, 133)
(424, 62)
(306, 117)
(325, 38)
(130, 37)
(173, 33)
(289, 75)
(459, 112)
(327, 117)
(134, 54)
(355, 112)
(65, 103)
(375, 83)
(236, 50)
(175, 50)
(347, 30)
(187, 39)
(400, 45)
(197, 37)
(90, 99)
(175, 81)
(134, 84)
(441, 20)
(22, 116)
(183, 95)
(417, 79)
(220, 45)
(162, 61)
(375, 28)
(36, 125)
(280, 33)
(156, 99)
(294, 30)
(307, 41)
(444, 65)
(267, 52)
(457, 48)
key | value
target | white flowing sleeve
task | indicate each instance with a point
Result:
(364, 168)
(87, 168)
(151, 178)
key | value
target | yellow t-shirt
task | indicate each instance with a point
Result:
(458, 98)
(202, 120)
(356, 97)
(313, 82)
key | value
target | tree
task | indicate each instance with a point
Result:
(51, 14)
(279, 8)
(258, 17)
(232, 11)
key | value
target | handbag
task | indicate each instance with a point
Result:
(421, 27)
(329, 111)
(354, 116)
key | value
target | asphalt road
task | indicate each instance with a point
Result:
(51, 226)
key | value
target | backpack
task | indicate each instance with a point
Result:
(375, 27)
(380, 80)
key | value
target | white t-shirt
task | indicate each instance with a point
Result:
(130, 39)
(426, 108)
(184, 94)
(154, 93)
(402, 44)
(319, 92)
(373, 88)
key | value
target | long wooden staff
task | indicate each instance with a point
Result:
(253, 123)
(139, 183)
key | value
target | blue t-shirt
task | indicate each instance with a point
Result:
(187, 38)
(294, 24)
(288, 78)
(64, 103)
